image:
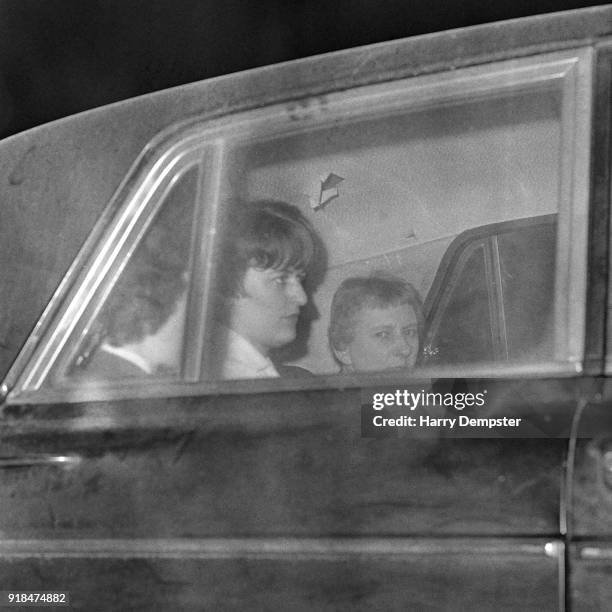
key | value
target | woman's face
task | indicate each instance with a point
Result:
(267, 310)
(384, 338)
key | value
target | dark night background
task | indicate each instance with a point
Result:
(59, 57)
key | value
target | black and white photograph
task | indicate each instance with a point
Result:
(305, 306)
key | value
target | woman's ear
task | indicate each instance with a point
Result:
(344, 357)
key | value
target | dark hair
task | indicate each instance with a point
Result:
(379, 290)
(142, 301)
(264, 234)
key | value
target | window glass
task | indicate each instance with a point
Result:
(494, 306)
(527, 289)
(139, 328)
(388, 195)
(430, 222)
(463, 327)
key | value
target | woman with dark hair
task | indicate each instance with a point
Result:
(267, 251)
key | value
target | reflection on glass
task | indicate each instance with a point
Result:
(139, 329)
(408, 184)
(465, 331)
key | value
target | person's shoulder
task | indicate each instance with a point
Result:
(106, 366)
(290, 371)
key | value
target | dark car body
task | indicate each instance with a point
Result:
(190, 492)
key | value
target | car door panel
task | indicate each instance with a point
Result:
(280, 503)
(278, 464)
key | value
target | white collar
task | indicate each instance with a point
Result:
(243, 360)
(128, 355)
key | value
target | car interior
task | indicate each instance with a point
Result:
(394, 193)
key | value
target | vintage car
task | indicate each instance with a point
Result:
(474, 164)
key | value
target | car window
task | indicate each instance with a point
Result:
(390, 177)
(138, 329)
(464, 329)
(526, 289)
(390, 194)
(486, 303)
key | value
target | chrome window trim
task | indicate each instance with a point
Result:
(204, 236)
(573, 68)
(166, 388)
(573, 224)
(399, 548)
